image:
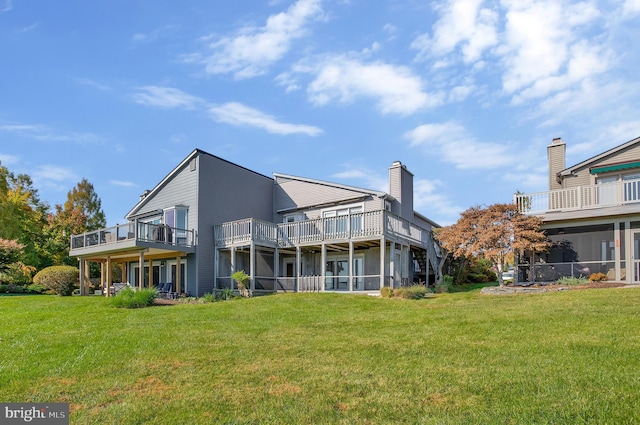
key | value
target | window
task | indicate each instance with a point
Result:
(337, 274)
(177, 219)
(341, 221)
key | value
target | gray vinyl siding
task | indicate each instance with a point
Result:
(181, 189)
(293, 194)
(227, 192)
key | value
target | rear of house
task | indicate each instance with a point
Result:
(591, 214)
(208, 218)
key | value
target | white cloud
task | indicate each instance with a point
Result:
(6, 6)
(165, 97)
(368, 178)
(94, 84)
(122, 183)
(631, 7)
(151, 36)
(429, 197)
(254, 49)
(44, 133)
(235, 113)
(454, 144)
(543, 50)
(51, 176)
(395, 89)
(464, 24)
(6, 159)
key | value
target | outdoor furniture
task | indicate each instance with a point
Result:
(170, 293)
(162, 290)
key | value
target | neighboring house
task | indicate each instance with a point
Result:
(208, 218)
(591, 214)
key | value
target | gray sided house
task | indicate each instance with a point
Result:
(591, 215)
(209, 218)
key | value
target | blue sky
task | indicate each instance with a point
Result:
(467, 94)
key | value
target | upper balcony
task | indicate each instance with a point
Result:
(131, 236)
(604, 196)
(360, 226)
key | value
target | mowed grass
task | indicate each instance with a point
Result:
(566, 357)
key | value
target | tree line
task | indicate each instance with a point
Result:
(34, 235)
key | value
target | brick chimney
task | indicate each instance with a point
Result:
(401, 188)
(556, 152)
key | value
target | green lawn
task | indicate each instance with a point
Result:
(566, 357)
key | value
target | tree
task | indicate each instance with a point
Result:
(23, 216)
(10, 251)
(493, 233)
(83, 201)
(82, 212)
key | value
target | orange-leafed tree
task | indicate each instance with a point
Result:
(493, 233)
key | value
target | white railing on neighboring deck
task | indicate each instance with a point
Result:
(340, 228)
(136, 231)
(581, 197)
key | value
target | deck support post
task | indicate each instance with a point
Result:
(151, 282)
(383, 248)
(141, 270)
(252, 266)
(276, 269)
(81, 274)
(178, 276)
(109, 277)
(323, 260)
(350, 268)
(297, 269)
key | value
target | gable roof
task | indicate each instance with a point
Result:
(330, 184)
(585, 163)
(175, 171)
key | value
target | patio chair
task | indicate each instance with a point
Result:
(162, 290)
(170, 293)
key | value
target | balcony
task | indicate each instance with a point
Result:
(360, 226)
(131, 236)
(615, 194)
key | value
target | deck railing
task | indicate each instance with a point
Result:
(134, 231)
(340, 228)
(581, 197)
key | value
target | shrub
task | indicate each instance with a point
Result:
(386, 292)
(242, 279)
(572, 281)
(60, 279)
(597, 277)
(227, 294)
(37, 289)
(477, 277)
(209, 297)
(413, 292)
(446, 285)
(128, 298)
